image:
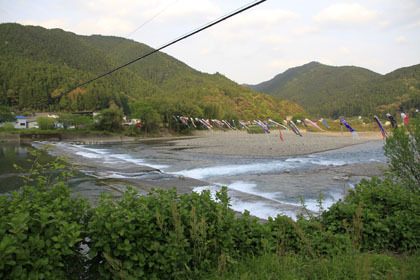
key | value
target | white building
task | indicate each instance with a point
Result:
(21, 122)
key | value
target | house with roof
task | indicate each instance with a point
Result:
(21, 122)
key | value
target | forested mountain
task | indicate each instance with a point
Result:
(37, 65)
(330, 91)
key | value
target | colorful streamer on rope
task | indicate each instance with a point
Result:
(313, 124)
(192, 121)
(296, 128)
(291, 127)
(391, 120)
(306, 126)
(219, 124)
(405, 119)
(281, 136)
(267, 125)
(243, 125)
(278, 124)
(262, 125)
(183, 120)
(353, 132)
(203, 123)
(227, 124)
(384, 134)
(234, 124)
(325, 123)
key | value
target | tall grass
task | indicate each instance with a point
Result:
(344, 266)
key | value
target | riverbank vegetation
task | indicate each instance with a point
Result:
(46, 232)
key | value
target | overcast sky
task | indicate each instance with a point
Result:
(252, 47)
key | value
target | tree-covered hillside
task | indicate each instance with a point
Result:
(38, 65)
(330, 91)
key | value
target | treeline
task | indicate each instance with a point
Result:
(38, 65)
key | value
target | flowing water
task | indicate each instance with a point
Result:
(264, 186)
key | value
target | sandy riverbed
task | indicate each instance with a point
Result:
(269, 145)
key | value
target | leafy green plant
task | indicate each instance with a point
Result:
(109, 119)
(8, 127)
(45, 123)
(403, 153)
(389, 217)
(5, 114)
(42, 227)
(78, 121)
(156, 236)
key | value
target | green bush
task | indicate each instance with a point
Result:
(45, 123)
(109, 119)
(386, 215)
(163, 235)
(78, 121)
(403, 153)
(8, 127)
(42, 229)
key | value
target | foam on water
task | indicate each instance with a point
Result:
(313, 205)
(318, 161)
(235, 169)
(256, 208)
(264, 167)
(138, 161)
(263, 209)
(119, 175)
(107, 155)
(250, 188)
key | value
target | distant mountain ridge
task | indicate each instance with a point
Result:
(332, 91)
(38, 64)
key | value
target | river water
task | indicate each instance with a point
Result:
(264, 186)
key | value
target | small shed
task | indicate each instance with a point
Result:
(20, 122)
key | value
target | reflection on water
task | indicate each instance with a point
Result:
(10, 154)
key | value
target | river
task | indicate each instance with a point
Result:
(264, 186)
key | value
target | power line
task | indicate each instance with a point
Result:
(152, 18)
(238, 11)
(144, 23)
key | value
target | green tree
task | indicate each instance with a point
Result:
(109, 119)
(6, 115)
(77, 120)
(45, 123)
(403, 153)
(150, 117)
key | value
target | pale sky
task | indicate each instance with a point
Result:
(252, 47)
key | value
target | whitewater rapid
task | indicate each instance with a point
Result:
(264, 186)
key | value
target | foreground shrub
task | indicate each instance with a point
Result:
(379, 215)
(161, 235)
(42, 229)
(403, 153)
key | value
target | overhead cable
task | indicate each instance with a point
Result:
(143, 24)
(238, 11)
